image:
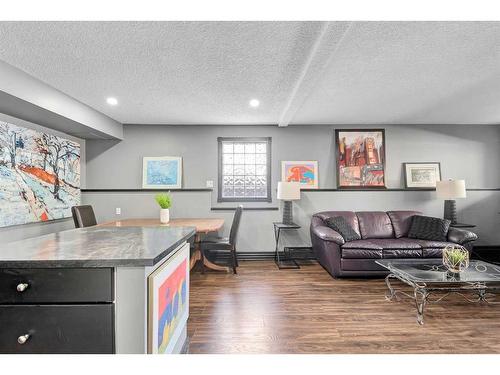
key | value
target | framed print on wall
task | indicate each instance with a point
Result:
(360, 158)
(304, 172)
(422, 175)
(162, 172)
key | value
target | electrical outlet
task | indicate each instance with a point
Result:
(118, 211)
(210, 183)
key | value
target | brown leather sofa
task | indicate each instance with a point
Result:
(383, 235)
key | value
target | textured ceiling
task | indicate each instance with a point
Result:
(302, 72)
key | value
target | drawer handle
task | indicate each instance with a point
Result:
(23, 338)
(22, 287)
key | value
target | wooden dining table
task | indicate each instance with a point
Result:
(203, 226)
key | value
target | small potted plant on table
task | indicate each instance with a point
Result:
(455, 258)
(164, 200)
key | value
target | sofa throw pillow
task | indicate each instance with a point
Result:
(340, 225)
(429, 228)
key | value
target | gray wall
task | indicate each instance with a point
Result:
(18, 232)
(467, 152)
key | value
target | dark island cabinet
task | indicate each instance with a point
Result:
(57, 310)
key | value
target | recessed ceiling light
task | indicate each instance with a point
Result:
(112, 101)
(254, 103)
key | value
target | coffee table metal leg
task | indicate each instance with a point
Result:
(391, 293)
(420, 301)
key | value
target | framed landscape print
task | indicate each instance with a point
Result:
(422, 175)
(360, 158)
(39, 175)
(304, 172)
(162, 172)
(168, 302)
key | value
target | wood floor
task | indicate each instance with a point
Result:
(266, 310)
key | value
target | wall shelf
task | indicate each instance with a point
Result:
(245, 208)
(142, 190)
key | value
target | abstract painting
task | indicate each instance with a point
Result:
(360, 158)
(168, 302)
(422, 175)
(304, 172)
(39, 175)
(163, 172)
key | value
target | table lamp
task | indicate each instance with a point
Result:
(288, 192)
(449, 191)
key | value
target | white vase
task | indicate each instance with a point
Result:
(164, 215)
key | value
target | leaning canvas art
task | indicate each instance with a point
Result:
(303, 172)
(168, 302)
(163, 172)
(360, 158)
(39, 175)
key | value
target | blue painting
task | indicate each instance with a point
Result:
(162, 172)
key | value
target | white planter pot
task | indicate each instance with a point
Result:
(164, 215)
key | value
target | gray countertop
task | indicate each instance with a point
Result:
(95, 247)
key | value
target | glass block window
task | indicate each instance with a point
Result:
(244, 169)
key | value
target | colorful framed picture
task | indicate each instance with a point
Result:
(422, 175)
(168, 302)
(39, 175)
(360, 158)
(162, 172)
(304, 172)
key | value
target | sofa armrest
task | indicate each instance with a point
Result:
(327, 234)
(461, 236)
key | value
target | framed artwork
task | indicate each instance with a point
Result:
(422, 175)
(162, 172)
(168, 302)
(304, 172)
(39, 175)
(360, 158)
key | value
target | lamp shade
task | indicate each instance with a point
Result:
(451, 189)
(288, 191)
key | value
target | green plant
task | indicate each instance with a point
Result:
(456, 256)
(164, 200)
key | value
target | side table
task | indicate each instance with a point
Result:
(285, 260)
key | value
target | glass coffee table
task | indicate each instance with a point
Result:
(431, 281)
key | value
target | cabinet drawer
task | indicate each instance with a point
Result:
(56, 285)
(57, 328)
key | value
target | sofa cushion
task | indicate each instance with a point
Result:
(341, 225)
(397, 243)
(427, 244)
(374, 224)
(350, 216)
(429, 228)
(433, 249)
(401, 221)
(361, 244)
(361, 254)
(406, 253)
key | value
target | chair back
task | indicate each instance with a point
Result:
(235, 225)
(83, 216)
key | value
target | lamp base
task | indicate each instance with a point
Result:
(287, 212)
(450, 210)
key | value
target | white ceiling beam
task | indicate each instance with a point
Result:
(329, 39)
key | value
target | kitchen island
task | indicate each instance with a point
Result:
(96, 290)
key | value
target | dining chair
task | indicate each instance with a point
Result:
(227, 244)
(83, 216)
